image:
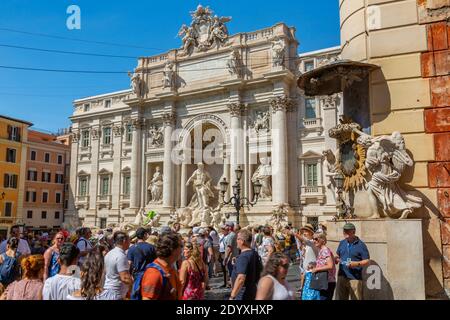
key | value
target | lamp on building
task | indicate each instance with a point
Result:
(237, 201)
(2, 196)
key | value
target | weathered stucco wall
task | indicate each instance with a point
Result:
(392, 34)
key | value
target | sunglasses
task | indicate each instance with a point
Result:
(59, 238)
(285, 266)
(316, 239)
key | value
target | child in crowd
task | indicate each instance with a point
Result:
(309, 294)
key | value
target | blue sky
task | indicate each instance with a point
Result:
(45, 98)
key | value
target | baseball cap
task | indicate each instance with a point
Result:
(166, 229)
(230, 224)
(349, 226)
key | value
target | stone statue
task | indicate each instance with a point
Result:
(156, 186)
(262, 122)
(202, 188)
(264, 174)
(205, 31)
(219, 31)
(235, 64)
(188, 37)
(278, 52)
(136, 84)
(156, 137)
(169, 75)
(331, 166)
(386, 160)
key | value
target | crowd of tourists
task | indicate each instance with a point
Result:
(169, 264)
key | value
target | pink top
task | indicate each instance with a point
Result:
(194, 289)
(322, 261)
(25, 290)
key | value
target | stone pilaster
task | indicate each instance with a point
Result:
(168, 186)
(279, 106)
(236, 143)
(135, 163)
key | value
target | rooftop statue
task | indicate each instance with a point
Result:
(204, 32)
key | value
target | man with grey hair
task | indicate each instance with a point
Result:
(231, 248)
(247, 269)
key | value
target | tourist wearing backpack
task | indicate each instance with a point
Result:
(9, 263)
(83, 244)
(160, 280)
(23, 248)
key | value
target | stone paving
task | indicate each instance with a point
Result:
(218, 293)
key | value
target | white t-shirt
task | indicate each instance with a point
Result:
(84, 245)
(264, 248)
(23, 247)
(104, 295)
(310, 253)
(222, 243)
(115, 262)
(59, 287)
(215, 238)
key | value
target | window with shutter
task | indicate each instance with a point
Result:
(6, 180)
(8, 209)
(9, 132)
(34, 196)
(14, 181)
(27, 197)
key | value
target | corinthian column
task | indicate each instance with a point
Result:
(168, 186)
(279, 106)
(135, 164)
(236, 143)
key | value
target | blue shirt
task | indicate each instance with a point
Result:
(140, 255)
(247, 263)
(356, 251)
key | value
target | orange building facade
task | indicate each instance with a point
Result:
(44, 193)
(13, 149)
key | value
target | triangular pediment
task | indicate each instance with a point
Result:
(310, 154)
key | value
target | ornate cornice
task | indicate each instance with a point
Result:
(281, 103)
(236, 109)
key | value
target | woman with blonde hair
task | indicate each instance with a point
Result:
(31, 285)
(324, 278)
(193, 273)
(51, 256)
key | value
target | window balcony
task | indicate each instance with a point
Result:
(82, 202)
(104, 201)
(124, 201)
(312, 123)
(311, 193)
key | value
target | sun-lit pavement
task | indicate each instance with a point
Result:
(218, 293)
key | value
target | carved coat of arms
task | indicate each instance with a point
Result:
(204, 32)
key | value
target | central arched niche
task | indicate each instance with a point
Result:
(204, 143)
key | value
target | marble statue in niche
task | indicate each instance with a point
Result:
(264, 174)
(156, 187)
(278, 52)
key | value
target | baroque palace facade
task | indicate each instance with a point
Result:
(134, 150)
